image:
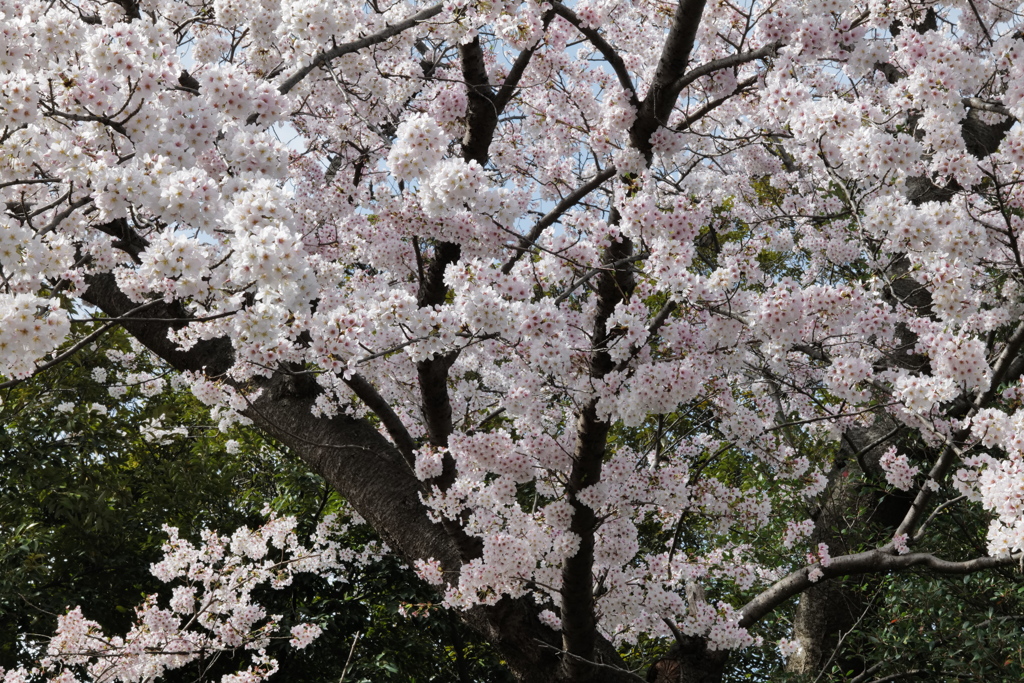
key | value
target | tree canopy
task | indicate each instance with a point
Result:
(623, 323)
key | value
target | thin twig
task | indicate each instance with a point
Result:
(78, 346)
(596, 270)
(843, 636)
(936, 511)
(348, 661)
(597, 665)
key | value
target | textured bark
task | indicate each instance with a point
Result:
(689, 661)
(854, 514)
(213, 357)
(481, 113)
(665, 88)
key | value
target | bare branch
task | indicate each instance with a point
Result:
(983, 105)
(579, 618)
(355, 46)
(115, 126)
(981, 22)
(709, 107)
(868, 562)
(481, 110)
(609, 53)
(31, 181)
(515, 74)
(949, 453)
(616, 672)
(369, 395)
(552, 216)
(675, 54)
(924, 525)
(78, 346)
(731, 61)
(604, 267)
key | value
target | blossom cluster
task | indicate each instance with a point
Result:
(30, 328)
(898, 470)
(211, 608)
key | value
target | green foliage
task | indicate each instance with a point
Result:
(87, 488)
(949, 627)
(919, 626)
(966, 628)
(87, 493)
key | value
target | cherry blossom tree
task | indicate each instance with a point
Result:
(516, 278)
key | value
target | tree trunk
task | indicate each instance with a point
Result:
(689, 661)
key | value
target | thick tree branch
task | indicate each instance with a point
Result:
(350, 454)
(213, 357)
(355, 46)
(432, 374)
(579, 618)
(354, 459)
(984, 105)
(948, 454)
(369, 395)
(481, 122)
(481, 108)
(578, 602)
(729, 62)
(515, 74)
(127, 239)
(868, 562)
(359, 463)
(661, 96)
